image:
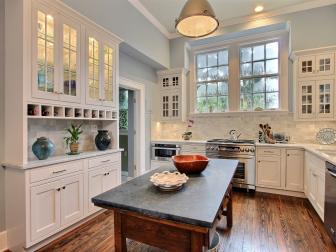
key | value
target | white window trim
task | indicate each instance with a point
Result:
(234, 75)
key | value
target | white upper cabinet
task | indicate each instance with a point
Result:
(71, 57)
(172, 95)
(101, 70)
(314, 81)
(56, 56)
(313, 65)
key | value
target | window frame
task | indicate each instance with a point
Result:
(252, 77)
(214, 81)
(233, 46)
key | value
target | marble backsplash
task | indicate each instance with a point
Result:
(248, 124)
(55, 131)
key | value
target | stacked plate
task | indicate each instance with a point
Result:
(326, 136)
(169, 181)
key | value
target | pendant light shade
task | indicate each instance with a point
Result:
(197, 19)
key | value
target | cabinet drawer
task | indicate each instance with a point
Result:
(56, 170)
(269, 151)
(103, 160)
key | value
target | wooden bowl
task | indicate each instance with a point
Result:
(190, 164)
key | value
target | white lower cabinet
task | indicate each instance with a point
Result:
(269, 171)
(315, 182)
(56, 205)
(59, 200)
(294, 170)
(45, 210)
(72, 199)
(102, 180)
(280, 168)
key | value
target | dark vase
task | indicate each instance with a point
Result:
(103, 140)
(43, 148)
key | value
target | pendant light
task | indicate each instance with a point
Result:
(197, 19)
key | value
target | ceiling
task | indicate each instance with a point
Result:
(166, 11)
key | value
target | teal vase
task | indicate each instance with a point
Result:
(43, 148)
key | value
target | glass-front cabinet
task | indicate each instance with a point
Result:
(56, 56)
(314, 65)
(101, 70)
(316, 99)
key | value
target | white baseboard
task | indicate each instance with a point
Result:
(3, 241)
(281, 192)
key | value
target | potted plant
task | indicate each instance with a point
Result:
(73, 140)
(188, 134)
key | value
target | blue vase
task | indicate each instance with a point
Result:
(43, 148)
(103, 140)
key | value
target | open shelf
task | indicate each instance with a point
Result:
(65, 112)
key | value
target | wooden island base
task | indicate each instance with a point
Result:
(165, 234)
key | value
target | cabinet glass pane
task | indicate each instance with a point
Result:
(93, 68)
(306, 99)
(324, 98)
(108, 73)
(45, 52)
(69, 60)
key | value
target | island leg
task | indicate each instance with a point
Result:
(229, 209)
(120, 239)
(197, 242)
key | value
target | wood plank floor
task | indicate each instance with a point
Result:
(261, 222)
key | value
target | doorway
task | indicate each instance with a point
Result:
(127, 132)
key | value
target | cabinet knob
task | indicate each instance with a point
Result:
(58, 189)
(288, 155)
(63, 187)
(259, 161)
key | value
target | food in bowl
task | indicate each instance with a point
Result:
(190, 164)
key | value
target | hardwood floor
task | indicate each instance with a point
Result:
(261, 222)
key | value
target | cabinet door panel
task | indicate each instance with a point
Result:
(320, 194)
(269, 171)
(44, 44)
(175, 105)
(70, 58)
(111, 179)
(325, 64)
(72, 207)
(165, 106)
(109, 76)
(294, 170)
(96, 186)
(306, 66)
(45, 210)
(325, 98)
(306, 99)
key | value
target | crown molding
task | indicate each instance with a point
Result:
(143, 10)
(235, 21)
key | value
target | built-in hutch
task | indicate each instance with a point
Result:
(314, 80)
(69, 72)
(172, 84)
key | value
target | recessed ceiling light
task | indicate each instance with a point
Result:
(259, 8)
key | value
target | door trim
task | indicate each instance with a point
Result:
(140, 115)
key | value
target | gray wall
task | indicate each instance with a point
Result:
(2, 78)
(309, 29)
(121, 18)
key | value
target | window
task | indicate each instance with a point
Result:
(212, 74)
(259, 76)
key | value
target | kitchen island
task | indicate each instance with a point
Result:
(174, 221)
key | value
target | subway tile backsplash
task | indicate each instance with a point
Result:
(248, 124)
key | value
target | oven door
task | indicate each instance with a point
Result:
(164, 153)
(245, 173)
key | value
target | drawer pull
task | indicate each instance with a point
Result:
(56, 172)
(105, 161)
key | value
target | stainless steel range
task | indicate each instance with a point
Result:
(241, 150)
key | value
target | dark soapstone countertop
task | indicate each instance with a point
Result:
(197, 203)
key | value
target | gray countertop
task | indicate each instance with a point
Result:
(197, 203)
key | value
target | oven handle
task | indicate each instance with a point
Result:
(332, 174)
